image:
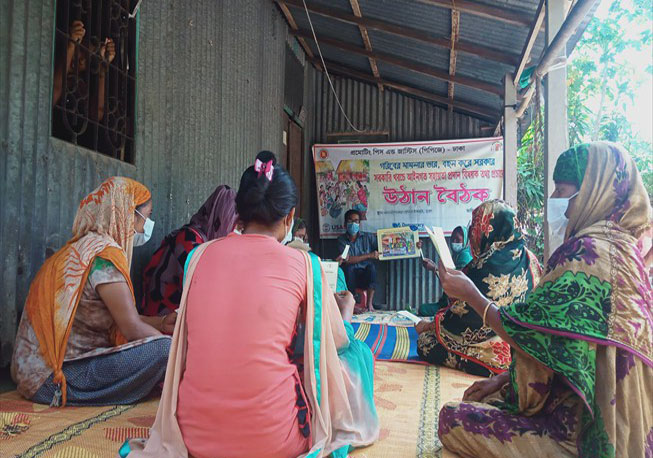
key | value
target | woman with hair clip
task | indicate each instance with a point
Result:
(245, 298)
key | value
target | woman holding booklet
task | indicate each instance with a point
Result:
(504, 270)
(581, 381)
(245, 296)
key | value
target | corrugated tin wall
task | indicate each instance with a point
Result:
(402, 284)
(210, 95)
(404, 118)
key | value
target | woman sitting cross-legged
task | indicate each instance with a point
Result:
(581, 382)
(235, 386)
(503, 269)
(81, 339)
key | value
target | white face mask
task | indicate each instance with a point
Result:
(141, 238)
(456, 247)
(555, 210)
(288, 238)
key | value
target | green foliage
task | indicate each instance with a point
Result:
(530, 192)
(600, 70)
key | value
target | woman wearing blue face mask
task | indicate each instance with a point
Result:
(81, 340)
(581, 379)
(461, 255)
(460, 251)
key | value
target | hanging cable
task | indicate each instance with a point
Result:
(319, 51)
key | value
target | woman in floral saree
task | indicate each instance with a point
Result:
(581, 381)
(235, 386)
(504, 270)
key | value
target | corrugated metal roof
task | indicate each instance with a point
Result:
(434, 21)
(429, 18)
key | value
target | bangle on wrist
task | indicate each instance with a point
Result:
(485, 312)
(163, 318)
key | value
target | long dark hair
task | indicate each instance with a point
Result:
(262, 200)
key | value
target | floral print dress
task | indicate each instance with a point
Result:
(586, 387)
(505, 272)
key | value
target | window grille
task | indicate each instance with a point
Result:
(93, 97)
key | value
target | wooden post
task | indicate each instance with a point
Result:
(555, 106)
(509, 141)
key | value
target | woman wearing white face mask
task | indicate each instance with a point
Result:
(581, 381)
(245, 297)
(81, 340)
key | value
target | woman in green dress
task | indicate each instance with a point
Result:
(581, 381)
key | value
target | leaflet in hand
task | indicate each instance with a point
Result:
(406, 314)
(437, 237)
(331, 272)
(345, 253)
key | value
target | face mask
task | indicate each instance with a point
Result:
(556, 209)
(288, 238)
(141, 238)
(456, 247)
(353, 228)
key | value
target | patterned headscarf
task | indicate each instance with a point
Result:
(503, 270)
(596, 289)
(163, 275)
(217, 216)
(571, 165)
(103, 227)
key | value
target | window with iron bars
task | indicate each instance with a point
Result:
(94, 82)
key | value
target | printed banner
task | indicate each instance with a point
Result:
(412, 184)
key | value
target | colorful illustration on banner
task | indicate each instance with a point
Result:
(434, 183)
(342, 188)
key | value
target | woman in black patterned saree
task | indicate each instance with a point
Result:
(505, 271)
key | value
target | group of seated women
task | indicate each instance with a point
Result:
(263, 361)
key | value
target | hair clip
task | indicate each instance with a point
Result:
(264, 168)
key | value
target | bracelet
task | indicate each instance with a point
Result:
(485, 312)
(163, 318)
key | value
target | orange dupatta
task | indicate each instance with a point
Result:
(103, 227)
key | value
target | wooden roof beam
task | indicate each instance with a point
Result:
(487, 113)
(455, 32)
(293, 26)
(366, 41)
(406, 64)
(530, 41)
(407, 32)
(482, 10)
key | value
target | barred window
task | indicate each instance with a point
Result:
(94, 79)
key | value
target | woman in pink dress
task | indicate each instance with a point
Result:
(264, 361)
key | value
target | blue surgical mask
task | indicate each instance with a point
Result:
(456, 247)
(353, 228)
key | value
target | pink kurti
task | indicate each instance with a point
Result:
(238, 394)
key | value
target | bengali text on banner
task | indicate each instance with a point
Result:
(413, 184)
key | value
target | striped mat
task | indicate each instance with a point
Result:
(389, 343)
(408, 399)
